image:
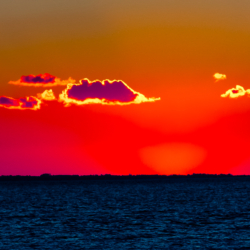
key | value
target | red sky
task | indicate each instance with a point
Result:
(167, 49)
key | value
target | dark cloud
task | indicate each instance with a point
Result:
(31, 102)
(42, 80)
(104, 92)
(109, 91)
(7, 101)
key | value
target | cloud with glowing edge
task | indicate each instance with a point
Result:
(236, 92)
(41, 80)
(85, 84)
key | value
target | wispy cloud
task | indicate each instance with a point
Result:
(236, 92)
(31, 102)
(42, 80)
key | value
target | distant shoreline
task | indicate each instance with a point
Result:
(48, 177)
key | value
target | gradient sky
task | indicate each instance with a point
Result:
(161, 48)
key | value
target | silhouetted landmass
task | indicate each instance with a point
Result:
(49, 177)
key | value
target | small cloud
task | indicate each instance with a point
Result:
(105, 92)
(236, 92)
(47, 95)
(219, 77)
(42, 80)
(31, 103)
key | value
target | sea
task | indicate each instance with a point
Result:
(181, 213)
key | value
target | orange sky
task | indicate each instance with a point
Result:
(169, 49)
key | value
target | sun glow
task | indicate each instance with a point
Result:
(173, 158)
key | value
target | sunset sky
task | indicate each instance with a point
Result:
(133, 83)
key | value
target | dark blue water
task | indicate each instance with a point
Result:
(144, 214)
